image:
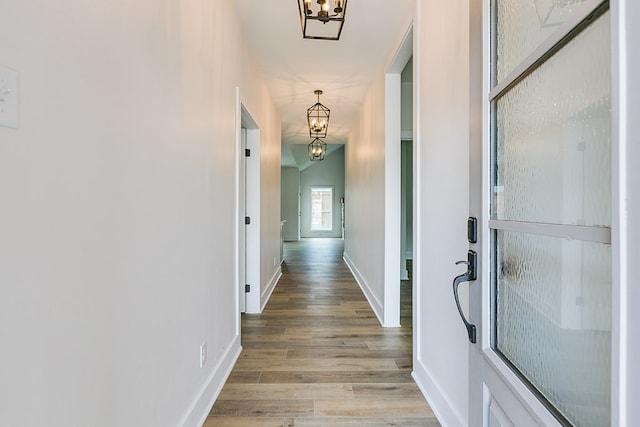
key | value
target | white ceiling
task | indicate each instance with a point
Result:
(294, 67)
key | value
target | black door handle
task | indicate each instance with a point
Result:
(468, 276)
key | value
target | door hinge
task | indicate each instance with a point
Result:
(247, 220)
(247, 288)
(247, 152)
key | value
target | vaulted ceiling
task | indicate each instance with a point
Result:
(294, 67)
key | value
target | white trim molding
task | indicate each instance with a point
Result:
(266, 295)
(375, 304)
(433, 393)
(202, 404)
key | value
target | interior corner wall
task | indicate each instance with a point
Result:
(364, 197)
(329, 173)
(441, 153)
(289, 204)
(270, 181)
(406, 246)
(406, 169)
(365, 221)
(118, 229)
(406, 113)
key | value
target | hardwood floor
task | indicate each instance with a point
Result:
(317, 355)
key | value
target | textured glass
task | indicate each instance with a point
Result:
(553, 311)
(553, 137)
(521, 26)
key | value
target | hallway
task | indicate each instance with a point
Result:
(317, 355)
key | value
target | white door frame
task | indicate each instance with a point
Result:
(247, 204)
(477, 203)
(392, 190)
(241, 229)
(626, 236)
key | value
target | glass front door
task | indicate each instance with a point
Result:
(550, 219)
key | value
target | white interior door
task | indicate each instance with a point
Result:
(252, 213)
(248, 209)
(243, 234)
(541, 189)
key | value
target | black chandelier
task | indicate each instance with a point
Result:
(311, 19)
(317, 149)
(318, 118)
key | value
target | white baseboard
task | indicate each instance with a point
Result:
(375, 304)
(446, 414)
(200, 408)
(264, 298)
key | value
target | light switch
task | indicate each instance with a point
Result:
(8, 98)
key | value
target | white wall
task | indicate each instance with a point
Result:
(441, 202)
(270, 219)
(365, 236)
(117, 221)
(289, 204)
(406, 246)
(330, 173)
(406, 112)
(406, 169)
(364, 198)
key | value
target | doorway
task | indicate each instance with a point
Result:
(248, 209)
(398, 127)
(406, 173)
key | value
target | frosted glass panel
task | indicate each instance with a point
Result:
(523, 25)
(553, 311)
(553, 137)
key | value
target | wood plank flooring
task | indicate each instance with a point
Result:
(317, 355)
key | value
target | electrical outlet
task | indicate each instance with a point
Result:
(8, 98)
(203, 354)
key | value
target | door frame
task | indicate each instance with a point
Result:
(392, 190)
(247, 204)
(625, 212)
(478, 180)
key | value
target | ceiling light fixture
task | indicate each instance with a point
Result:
(318, 118)
(317, 149)
(310, 20)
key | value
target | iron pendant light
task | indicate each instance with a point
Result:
(321, 23)
(318, 118)
(317, 149)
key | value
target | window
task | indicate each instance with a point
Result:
(321, 208)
